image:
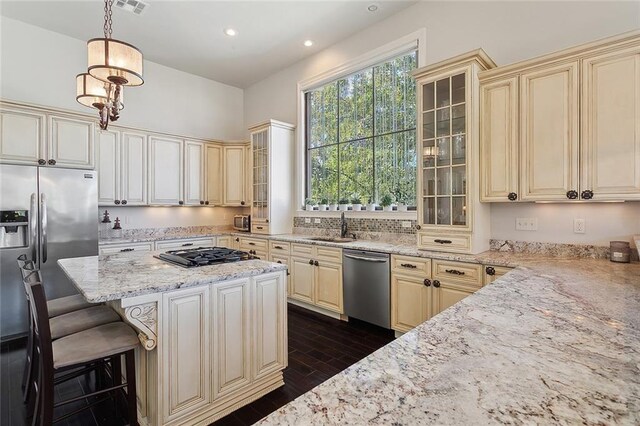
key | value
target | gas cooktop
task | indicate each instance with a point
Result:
(203, 256)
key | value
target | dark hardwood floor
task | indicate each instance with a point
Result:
(319, 347)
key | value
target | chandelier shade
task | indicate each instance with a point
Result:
(95, 93)
(115, 61)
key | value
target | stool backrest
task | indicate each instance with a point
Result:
(39, 313)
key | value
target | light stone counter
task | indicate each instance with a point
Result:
(118, 276)
(552, 342)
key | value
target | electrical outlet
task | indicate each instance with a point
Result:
(578, 226)
(406, 224)
(317, 220)
(526, 224)
(307, 220)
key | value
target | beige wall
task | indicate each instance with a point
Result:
(508, 32)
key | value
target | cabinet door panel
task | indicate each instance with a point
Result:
(549, 133)
(165, 165)
(409, 302)
(108, 167)
(611, 125)
(270, 334)
(185, 348)
(214, 174)
(329, 286)
(194, 173)
(499, 139)
(134, 168)
(224, 241)
(71, 142)
(231, 337)
(302, 279)
(448, 295)
(22, 136)
(234, 176)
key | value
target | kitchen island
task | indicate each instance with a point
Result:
(214, 338)
(555, 341)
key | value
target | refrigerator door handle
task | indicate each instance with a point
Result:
(33, 228)
(43, 235)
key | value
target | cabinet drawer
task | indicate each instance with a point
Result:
(186, 243)
(125, 248)
(253, 244)
(459, 243)
(411, 265)
(279, 247)
(468, 273)
(303, 250)
(260, 228)
(329, 254)
(492, 273)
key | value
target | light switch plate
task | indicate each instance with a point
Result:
(317, 220)
(307, 220)
(526, 224)
(578, 226)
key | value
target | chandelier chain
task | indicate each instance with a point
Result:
(108, 21)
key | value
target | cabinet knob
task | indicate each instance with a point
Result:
(116, 202)
(490, 270)
(242, 203)
(237, 240)
(572, 195)
(436, 283)
(316, 263)
(279, 261)
(42, 162)
(206, 203)
(427, 282)
(52, 162)
(418, 227)
(310, 261)
(201, 203)
(181, 202)
(124, 202)
(512, 196)
(267, 220)
(587, 194)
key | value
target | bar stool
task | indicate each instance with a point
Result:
(91, 315)
(74, 354)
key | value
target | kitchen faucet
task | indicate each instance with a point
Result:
(343, 226)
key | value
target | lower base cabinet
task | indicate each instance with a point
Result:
(410, 299)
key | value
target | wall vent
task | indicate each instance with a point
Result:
(134, 6)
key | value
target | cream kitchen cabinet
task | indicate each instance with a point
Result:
(269, 326)
(452, 282)
(71, 142)
(316, 276)
(214, 163)
(194, 173)
(224, 241)
(166, 172)
(492, 273)
(22, 136)
(574, 132)
(611, 125)
(272, 159)
(122, 168)
(185, 243)
(125, 247)
(450, 216)
(256, 246)
(234, 176)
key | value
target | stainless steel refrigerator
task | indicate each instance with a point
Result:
(49, 214)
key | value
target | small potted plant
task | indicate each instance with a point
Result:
(356, 202)
(309, 204)
(402, 195)
(371, 205)
(333, 206)
(386, 202)
(323, 204)
(343, 204)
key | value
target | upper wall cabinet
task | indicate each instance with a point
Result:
(272, 144)
(611, 125)
(194, 173)
(28, 136)
(234, 176)
(166, 171)
(213, 172)
(565, 126)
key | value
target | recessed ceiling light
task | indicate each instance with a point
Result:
(372, 7)
(308, 43)
(230, 32)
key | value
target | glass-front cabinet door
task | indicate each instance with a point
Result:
(443, 142)
(260, 186)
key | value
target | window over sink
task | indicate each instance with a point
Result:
(360, 135)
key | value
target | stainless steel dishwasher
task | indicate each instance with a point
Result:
(366, 283)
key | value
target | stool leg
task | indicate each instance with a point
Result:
(132, 404)
(27, 375)
(116, 376)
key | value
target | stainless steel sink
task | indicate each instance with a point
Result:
(332, 239)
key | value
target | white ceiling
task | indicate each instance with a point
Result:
(188, 35)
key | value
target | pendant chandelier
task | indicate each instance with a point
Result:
(112, 64)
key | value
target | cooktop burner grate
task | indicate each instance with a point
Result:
(203, 256)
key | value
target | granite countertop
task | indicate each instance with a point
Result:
(552, 342)
(118, 276)
(153, 237)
